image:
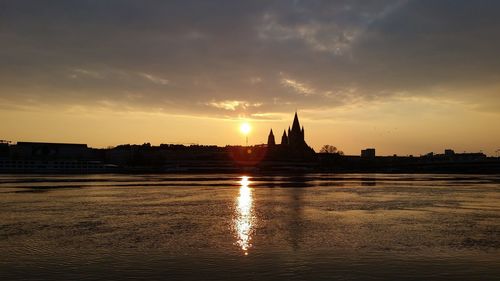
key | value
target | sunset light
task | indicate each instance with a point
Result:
(249, 140)
(245, 128)
(244, 221)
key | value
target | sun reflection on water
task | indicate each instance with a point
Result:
(244, 219)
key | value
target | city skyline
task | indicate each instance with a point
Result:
(405, 77)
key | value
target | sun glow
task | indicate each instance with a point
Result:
(245, 128)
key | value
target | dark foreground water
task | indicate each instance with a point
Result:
(212, 227)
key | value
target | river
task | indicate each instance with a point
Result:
(250, 227)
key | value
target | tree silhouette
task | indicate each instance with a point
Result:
(330, 149)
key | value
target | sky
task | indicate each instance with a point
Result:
(405, 77)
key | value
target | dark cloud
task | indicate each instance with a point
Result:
(233, 57)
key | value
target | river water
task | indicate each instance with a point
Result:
(250, 227)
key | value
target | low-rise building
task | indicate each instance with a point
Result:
(368, 153)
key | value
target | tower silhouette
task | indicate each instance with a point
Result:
(270, 139)
(284, 138)
(294, 139)
(296, 134)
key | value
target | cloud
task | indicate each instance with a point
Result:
(298, 87)
(233, 105)
(255, 80)
(318, 36)
(155, 79)
(226, 57)
(78, 72)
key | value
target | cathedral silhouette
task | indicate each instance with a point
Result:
(293, 142)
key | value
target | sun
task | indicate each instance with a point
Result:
(245, 128)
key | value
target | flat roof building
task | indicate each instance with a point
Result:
(368, 153)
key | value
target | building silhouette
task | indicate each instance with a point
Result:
(295, 138)
(292, 154)
(284, 138)
(293, 144)
(368, 153)
(270, 139)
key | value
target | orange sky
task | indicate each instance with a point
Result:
(350, 129)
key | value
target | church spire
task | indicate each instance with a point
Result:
(284, 138)
(296, 124)
(270, 139)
